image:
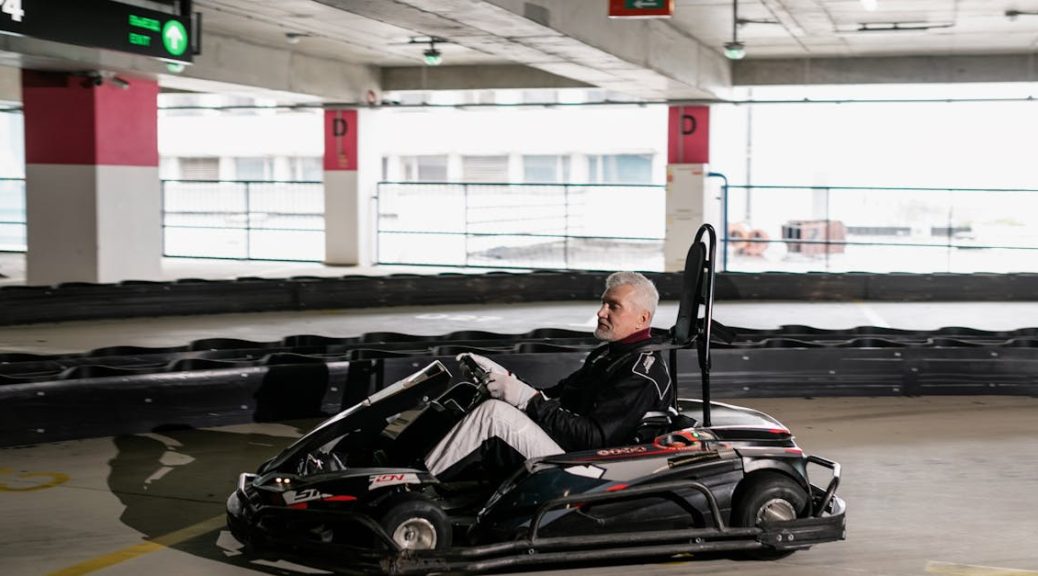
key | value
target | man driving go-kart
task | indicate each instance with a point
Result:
(599, 405)
(604, 466)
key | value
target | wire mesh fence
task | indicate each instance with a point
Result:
(587, 227)
(243, 219)
(880, 229)
(600, 227)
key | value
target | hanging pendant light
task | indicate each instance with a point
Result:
(735, 50)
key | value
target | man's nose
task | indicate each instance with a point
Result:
(602, 311)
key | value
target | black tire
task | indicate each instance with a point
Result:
(768, 496)
(416, 523)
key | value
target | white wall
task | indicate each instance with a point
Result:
(525, 130)
(224, 135)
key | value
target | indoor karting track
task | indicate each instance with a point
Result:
(933, 484)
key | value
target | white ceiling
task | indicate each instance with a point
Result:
(378, 32)
(832, 28)
(349, 49)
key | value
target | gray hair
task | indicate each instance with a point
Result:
(645, 293)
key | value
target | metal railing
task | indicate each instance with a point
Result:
(765, 228)
(575, 226)
(592, 227)
(255, 220)
(879, 229)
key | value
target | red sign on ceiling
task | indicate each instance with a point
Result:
(641, 8)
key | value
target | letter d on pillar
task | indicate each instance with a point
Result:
(688, 135)
(688, 203)
(342, 214)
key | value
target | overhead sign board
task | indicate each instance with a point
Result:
(100, 24)
(641, 8)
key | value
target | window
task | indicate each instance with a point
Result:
(620, 169)
(424, 168)
(306, 169)
(199, 168)
(484, 168)
(253, 169)
(540, 96)
(546, 169)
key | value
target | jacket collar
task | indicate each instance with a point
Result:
(631, 341)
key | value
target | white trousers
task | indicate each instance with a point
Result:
(491, 419)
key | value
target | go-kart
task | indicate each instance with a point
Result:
(711, 478)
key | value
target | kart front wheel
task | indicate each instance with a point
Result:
(415, 523)
(768, 497)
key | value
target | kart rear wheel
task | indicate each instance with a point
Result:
(416, 523)
(768, 497)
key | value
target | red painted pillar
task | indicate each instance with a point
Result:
(689, 202)
(343, 220)
(688, 135)
(92, 186)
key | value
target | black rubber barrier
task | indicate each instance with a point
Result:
(109, 405)
(219, 381)
(84, 301)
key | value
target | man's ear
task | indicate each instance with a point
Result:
(646, 318)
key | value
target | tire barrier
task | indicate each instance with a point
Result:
(747, 242)
(84, 301)
(124, 389)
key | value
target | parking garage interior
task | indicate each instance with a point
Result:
(461, 176)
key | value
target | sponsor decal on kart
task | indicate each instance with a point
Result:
(588, 471)
(294, 497)
(622, 451)
(382, 480)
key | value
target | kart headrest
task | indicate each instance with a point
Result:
(684, 330)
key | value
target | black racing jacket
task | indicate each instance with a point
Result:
(603, 402)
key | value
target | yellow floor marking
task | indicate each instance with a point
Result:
(137, 550)
(949, 569)
(55, 479)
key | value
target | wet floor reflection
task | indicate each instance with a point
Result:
(174, 484)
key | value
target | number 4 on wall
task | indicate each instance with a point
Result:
(14, 8)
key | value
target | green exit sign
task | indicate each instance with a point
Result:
(100, 24)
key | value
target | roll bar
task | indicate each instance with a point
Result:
(697, 290)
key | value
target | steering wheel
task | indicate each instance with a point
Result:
(479, 376)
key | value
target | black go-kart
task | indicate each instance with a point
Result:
(712, 478)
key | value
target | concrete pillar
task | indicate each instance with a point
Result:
(93, 207)
(343, 224)
(690, 202)
(10, 84)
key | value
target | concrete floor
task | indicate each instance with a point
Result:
(933, 485)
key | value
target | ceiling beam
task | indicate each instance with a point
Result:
(886, 70)
(489, 77)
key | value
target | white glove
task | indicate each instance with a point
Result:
(510, 389)
(485, 363)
